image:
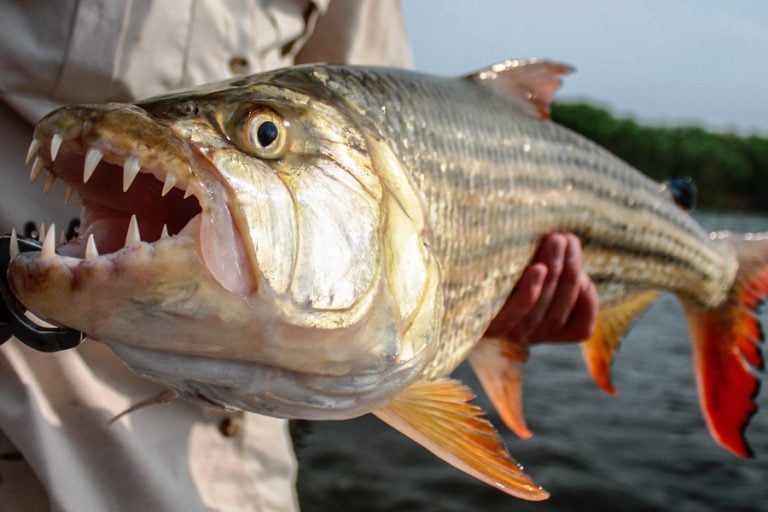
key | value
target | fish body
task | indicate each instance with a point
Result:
(494, 179)
(342, 237)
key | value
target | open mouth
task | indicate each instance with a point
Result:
(123, 203)
(137, 197)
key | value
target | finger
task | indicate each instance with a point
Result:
(520, 301)
(566, 293)
(552, 254)
(581, 324)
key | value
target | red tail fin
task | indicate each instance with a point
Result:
(726, 344)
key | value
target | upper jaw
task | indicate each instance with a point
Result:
(137, 181)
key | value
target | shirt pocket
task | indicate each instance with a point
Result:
(121, 51)
(244, 37)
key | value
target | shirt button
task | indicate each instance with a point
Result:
(238, 65)
(229, 426)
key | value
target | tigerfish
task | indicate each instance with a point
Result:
(322, 242)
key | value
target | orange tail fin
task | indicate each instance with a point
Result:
(726, 347)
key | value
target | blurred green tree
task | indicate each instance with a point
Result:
(731, 171)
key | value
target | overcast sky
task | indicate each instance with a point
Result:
(665, 61)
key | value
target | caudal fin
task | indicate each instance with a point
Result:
(726, 348)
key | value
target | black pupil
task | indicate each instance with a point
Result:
(267, 133)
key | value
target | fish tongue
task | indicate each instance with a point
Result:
(222, 249)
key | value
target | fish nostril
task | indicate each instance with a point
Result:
(188, 109)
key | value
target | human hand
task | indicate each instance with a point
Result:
(554, 300)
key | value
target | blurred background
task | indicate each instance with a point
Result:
(681, 62)
(677, 89)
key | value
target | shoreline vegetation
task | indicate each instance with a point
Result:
(730, 170)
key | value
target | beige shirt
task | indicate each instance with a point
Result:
(56, 453)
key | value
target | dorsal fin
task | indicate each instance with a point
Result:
(531, 83)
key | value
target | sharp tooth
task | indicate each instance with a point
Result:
(90, 249)
(37, 167)
(131, 169)
(33, 147)
(132, 236)
(68, 193)
(37, 320)
(168, 184)
(49, 182)
(14, 246)
(188, 192)
(164, 233)
(49, 244)
(56, 141)
(41, 235)
(63, 237)
(92, 159)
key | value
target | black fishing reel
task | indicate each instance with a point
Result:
(14, 322)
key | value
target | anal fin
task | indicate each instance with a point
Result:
(497, 363)
(437, 415)
(612, 323)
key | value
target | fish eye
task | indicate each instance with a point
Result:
(265, 133)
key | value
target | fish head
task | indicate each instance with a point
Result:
(247, 244)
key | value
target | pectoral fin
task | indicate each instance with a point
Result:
(437, 415)
(497, 364)
(612, 323)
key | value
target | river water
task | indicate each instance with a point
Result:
(645, 450)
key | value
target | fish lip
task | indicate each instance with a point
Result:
(166, 185)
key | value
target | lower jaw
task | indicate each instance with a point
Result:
(109, 234)
(223, 255)
(86, 294)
